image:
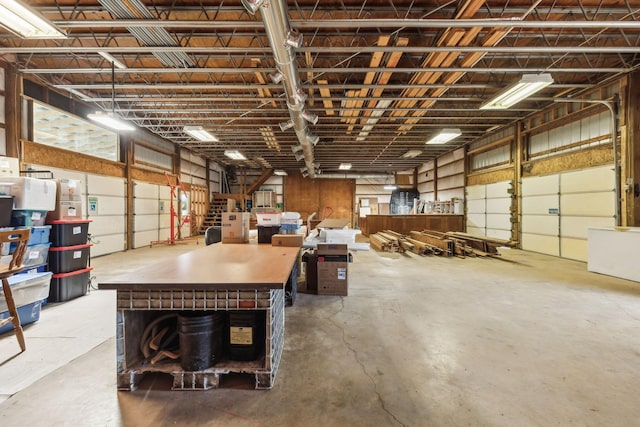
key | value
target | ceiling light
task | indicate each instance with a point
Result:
(344, 166)
(252, 6)
(390, 187)
(111, 59)
(411, 154)
(310, 117)
(234, 155)
(527, 86)
(445, 136)
(111, 121)
(294, 39)
(280, 172)
(24, 22)
(199, 133)
(286, 125)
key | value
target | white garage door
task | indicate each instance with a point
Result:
(489, 210)
(558, 209)
(146, 213)
(106, 198)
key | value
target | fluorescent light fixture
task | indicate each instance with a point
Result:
(111, 121)
(280, 172)
(26, 23)
(527, 86)
(390, 187)
(234, 155)
(445, 136)
(252, 6)
(411, 154)
(199, 133)
(344, 166)
(111, 59)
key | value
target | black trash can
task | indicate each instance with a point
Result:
(212, 235)
(200, 335)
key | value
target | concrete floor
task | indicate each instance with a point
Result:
(522, 340)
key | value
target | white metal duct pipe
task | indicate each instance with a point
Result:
(278, 29)
(355, 176)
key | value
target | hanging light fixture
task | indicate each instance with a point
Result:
(26, 23)
(234, 155)
(110, 120)
(200, 134)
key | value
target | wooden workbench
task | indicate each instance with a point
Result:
(216, 277)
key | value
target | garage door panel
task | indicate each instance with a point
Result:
(499, 205)
(145, 206)
(476, 206)
(475, 192)
(108, 224)
(145, 191)
(540, 185)
(104, 185)
(144, 238)
(499, 221)
(145, 223)
(576, 227)
(109, 205)
(164, 192)
(588, 180)
(499, 234)
(165, 220)
(476, 231)
(498, 189)
(164, 234)
(547, 225)
(539, 205)
(542, 244)
(588, 204)
(108, 244)
(576, 249)
(476, 220)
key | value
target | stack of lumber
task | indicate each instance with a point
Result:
(481, 245)
(437, 240)
(385, 242)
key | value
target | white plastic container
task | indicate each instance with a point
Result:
(268, 218)
(27, 288)
(31, 193)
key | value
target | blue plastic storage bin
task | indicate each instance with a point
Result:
(28, 218)
(39, 235)
(27, 313)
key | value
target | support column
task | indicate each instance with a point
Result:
(631, 151)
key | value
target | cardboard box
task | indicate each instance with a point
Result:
(332, 278)
(66, 210)
(332, 249)
(291, 240)
(235, 227)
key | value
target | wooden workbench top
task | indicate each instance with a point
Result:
(218, 266)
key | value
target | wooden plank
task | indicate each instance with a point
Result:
(326, 98)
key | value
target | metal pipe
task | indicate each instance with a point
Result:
(278, 29)
(313, 24)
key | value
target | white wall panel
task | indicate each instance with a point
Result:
(145, 223)
(106, 185)
(454, 181)
(145, 206)
(101, 226)
(107, 244)
(450, 194)
(476, 231)
(107, 211)
(544, 244)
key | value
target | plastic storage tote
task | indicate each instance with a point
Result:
(36, 255)
(66, 259)
(69, 233)
(31, 193)
(67, 286)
